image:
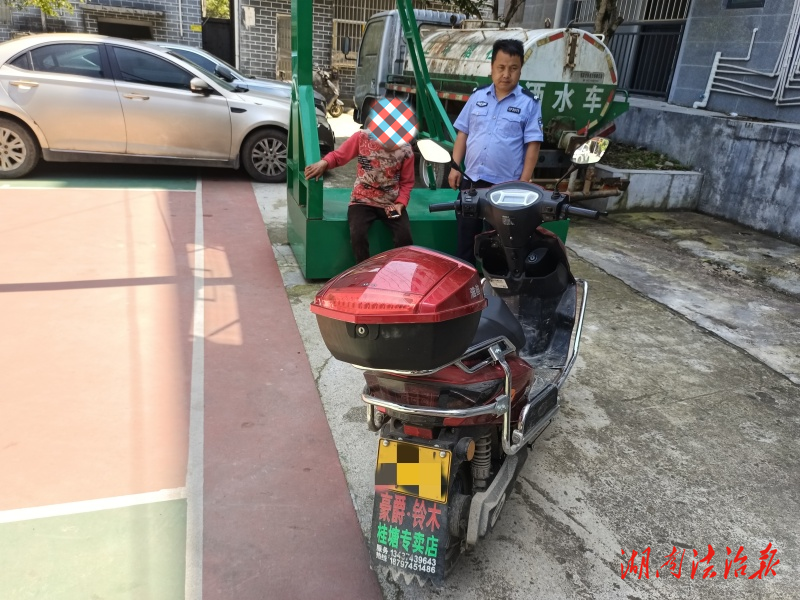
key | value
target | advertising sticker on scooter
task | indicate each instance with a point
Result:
(409, 535)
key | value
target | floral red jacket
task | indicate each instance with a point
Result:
(383, 177)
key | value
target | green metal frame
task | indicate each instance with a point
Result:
(433, 120)
(317, 217)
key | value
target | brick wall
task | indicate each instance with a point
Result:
(258, 47)
(166, 28)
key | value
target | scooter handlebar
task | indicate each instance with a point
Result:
(441, 207)
(571, 209)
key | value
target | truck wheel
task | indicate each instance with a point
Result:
(19, 151)
(264, 155)
(440, 174)
(336, 110)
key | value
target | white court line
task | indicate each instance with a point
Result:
(194, 469)
(86, 506)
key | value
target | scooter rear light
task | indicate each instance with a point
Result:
(419, 432)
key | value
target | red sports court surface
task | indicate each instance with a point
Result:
(140, 336)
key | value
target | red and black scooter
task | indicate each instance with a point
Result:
(462, 375)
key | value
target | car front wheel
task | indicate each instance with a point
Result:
(19, 152)
(264, 155)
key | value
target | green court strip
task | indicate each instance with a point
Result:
(69, 176)
(132, 552)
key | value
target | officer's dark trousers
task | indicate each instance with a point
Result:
(361, 216)
(469, 228)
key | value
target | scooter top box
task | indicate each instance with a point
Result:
(406, 309)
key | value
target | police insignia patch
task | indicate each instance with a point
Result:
(513, 109)
(481, 104)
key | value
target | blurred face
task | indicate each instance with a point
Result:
(506, 70)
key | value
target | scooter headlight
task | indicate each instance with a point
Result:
(514, 198)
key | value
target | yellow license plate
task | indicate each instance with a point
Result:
(415, 470)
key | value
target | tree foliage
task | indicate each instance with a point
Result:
(606, 20)
(218, 9)
(511, 8)
(471, 8)
(50, 8)
(474, 8)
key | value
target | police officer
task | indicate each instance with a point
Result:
(499, 134)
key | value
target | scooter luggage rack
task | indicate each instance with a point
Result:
(512, 442)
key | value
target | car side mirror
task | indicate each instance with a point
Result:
(346, 47)
(199, 86)
(224, 73)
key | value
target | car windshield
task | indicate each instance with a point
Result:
(221, 82)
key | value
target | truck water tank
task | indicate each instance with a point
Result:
(571, 70)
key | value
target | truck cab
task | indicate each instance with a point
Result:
(383, 52)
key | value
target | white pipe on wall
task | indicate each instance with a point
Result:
(557, 16)
(786, 65)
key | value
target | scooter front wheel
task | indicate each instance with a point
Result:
(336, 110)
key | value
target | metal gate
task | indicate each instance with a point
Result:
(646, 45)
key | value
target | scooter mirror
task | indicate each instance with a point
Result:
(590, 152)
(346, 44)
(433, 152)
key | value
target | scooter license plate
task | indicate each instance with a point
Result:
(413, 470)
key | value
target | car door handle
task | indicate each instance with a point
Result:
(136, 97)
(24, 85)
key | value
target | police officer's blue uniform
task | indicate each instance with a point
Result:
(498, 134)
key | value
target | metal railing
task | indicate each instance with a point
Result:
(584, 11)
(646, 55)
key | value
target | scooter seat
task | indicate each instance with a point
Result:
(498, 320)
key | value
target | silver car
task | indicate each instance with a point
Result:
(268, 87)
(90, 98)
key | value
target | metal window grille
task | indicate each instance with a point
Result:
(346, 29)
(584, 11)
(364, 9)
(646, 57)
(350, 19)
(646, 45)
(284, 50)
